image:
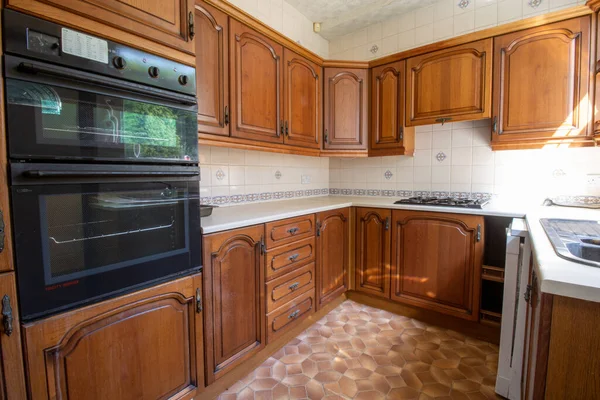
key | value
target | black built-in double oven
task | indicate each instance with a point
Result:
(103, 154)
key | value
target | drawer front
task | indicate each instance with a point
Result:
(289, 286)
(289, 230)
(289, 257)
(289, 315)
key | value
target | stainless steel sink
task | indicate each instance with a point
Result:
(574, 240)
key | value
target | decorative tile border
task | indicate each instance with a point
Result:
(259, 197)
(577, 199)
(407, 193)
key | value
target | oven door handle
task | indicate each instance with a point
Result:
(40, 174)
(33, 68)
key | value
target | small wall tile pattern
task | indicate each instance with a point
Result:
(360, 352)
(456, 159)
(434, 22)
(231, 176)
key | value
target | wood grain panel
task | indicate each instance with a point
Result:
(289, 286)
(212, 69)
(387, 106)
(541, 78)
(290, 315)
(234, 298)
(110, 350)
(436, 261)
(256, 85)
(453, 84)
(286, 258)
(332, 254)
(303, 101)
(345, 109)
(289, 230)
(373, 251)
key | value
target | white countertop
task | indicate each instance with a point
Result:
(557, 275)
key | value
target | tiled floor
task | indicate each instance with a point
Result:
(359, 352)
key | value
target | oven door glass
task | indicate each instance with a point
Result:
(48, 121)
(75, 243)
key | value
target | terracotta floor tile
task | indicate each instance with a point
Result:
(359, 352)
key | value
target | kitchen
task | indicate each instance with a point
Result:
(299, 199)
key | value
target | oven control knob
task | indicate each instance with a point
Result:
(153, 72)
(119, 62)
(183, 80)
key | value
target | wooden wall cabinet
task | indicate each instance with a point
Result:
(436, 261)
(388, 136)
(332, 254)
(161, 21)
(212, 69)
(234, 299)
(541, 85)
(373, 251)
(345, 109)
(453, 84)
(147, 344)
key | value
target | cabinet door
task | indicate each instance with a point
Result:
(373, 251)
(234, 299)
(212, 69)
(332, 255)
(453, 84)
(302, 96)
(162, 21)
(12, 373)
(345, 109)
(256, 83)
(387, 106)
(436, 261)
(145, 345)
(541, 78)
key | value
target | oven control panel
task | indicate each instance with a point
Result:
(32, 37)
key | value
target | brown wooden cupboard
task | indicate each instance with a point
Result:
(167, 22)
(436, 261)
(373, 251)
(332, 254)
(212, 69)
(345, 109)
(388, 136)
(453, 84)
(541, 85)
(234, 298)
(147, 344)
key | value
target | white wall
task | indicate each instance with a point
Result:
(284, 18)
(442, 20)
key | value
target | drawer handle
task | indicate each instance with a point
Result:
(294, 286)
(293, 257)
(294, 314)
(292, 231)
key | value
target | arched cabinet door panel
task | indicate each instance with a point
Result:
(373, 251)
(212, 70)
(256, 80)
(145, 345)
(345, 109)
(387, 106)
(541, 84)
(436, 261)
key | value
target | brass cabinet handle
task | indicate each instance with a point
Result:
(280, 132)
(478, 236)
(192, 29)
(198, 301)
(7, 315)
(226, 117)
(443, 120)
(292, 231)
(527, 294)
(294, 286)
(387, 223)
(262, 245)
(294, 314)
(326, 137)
(287, 132)
(495, 125)
(293, 257)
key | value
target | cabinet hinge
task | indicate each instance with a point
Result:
(318, 228)
(226, 117)
(262, 245)
(478, 232)
(495, 125)
(527, 295)
(192, 28)
(287, 132)
(1, 231)
(7, 315)
(387, 223)
(198, 301)
(280, 132)
(401, 136)
(326, 137)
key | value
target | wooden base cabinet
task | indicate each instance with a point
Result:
(234, 279)
(332, 254)
(373, 251)
(436, 261)
(144, 345)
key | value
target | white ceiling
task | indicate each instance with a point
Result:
(339, 17)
